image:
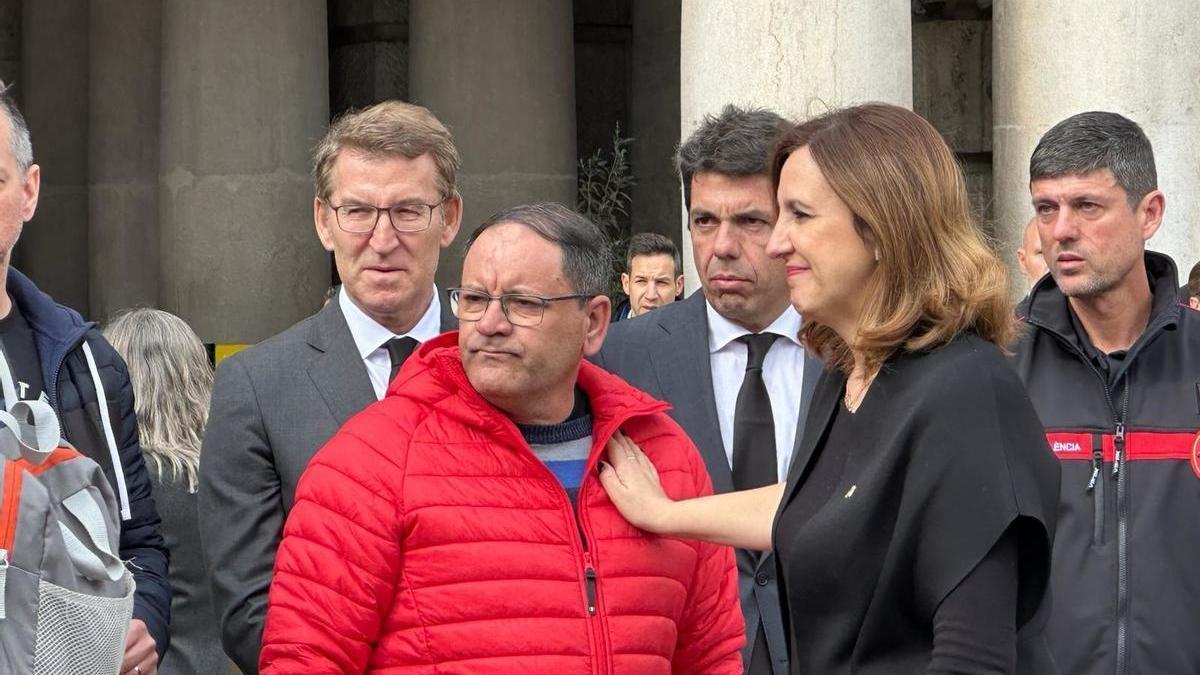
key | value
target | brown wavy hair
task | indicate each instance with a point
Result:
(937, 276)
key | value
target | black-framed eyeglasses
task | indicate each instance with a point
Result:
(406, 217)
(521, 309)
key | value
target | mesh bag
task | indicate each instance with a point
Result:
(76, 632)
(66, 599)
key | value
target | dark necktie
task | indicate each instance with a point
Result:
(754, 454)
(398, 350)
(753, 425)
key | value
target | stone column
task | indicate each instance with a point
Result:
(797, 57)
(123, 96)
(655, 117)
(53, 87)
(1055, 58)
(500, 75)
(245, 96)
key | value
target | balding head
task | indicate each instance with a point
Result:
(1029, 254)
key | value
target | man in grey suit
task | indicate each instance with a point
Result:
(385, 206)
(728, 359)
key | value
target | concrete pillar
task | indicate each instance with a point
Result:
(54, 80)
(655, 117)
(123, 152)
(500, 75)
(797, 57)
(1055, 58)
(245, 96)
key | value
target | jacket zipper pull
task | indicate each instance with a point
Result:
(590, 575)
(1118, 448)
(1097, 461)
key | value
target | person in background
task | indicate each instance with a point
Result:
(1192, 289)
(172, 381)
(653, 275)
(1029, 254)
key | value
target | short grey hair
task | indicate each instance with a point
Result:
(735, 142)
(1096, 140)
(172, 383)
(587, 260)
(18, 130)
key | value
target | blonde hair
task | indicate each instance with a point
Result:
(937, 276)
(172, 383)
(387, 129)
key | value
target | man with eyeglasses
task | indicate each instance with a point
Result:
(459, 526)
(385, 206)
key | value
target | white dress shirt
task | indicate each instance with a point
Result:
(371, 338)
(783, 373)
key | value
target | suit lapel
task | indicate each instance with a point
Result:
(682, 366)
(338, 372)
(826, 397)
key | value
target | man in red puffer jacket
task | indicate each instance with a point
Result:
(458, 526)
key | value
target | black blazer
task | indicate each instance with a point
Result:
(949, 455)
(665, 353)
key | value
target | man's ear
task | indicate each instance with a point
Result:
(1021, 261)
(625, 283)
(452, 214)
(30, 190)
(599, 313)
(1153, 205)
(679, 285)
(321, 221)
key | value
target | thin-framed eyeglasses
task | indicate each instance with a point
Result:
(521, 309)
(405, 217)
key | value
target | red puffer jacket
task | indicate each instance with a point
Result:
(428, 538)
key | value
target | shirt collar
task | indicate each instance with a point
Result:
(369, 335)
(722, 331)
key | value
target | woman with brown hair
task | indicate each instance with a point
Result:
(914, 532)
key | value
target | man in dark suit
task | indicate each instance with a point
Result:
(728, 359)
(385, 206)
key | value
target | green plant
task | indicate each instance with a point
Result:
(604, 181)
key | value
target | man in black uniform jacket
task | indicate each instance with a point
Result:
(1112, 364)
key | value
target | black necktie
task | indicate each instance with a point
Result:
(398, 351)
(753, 425)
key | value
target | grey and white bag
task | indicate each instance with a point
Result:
(66, 599)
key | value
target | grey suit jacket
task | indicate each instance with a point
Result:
(665, 353)
(273, 406)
